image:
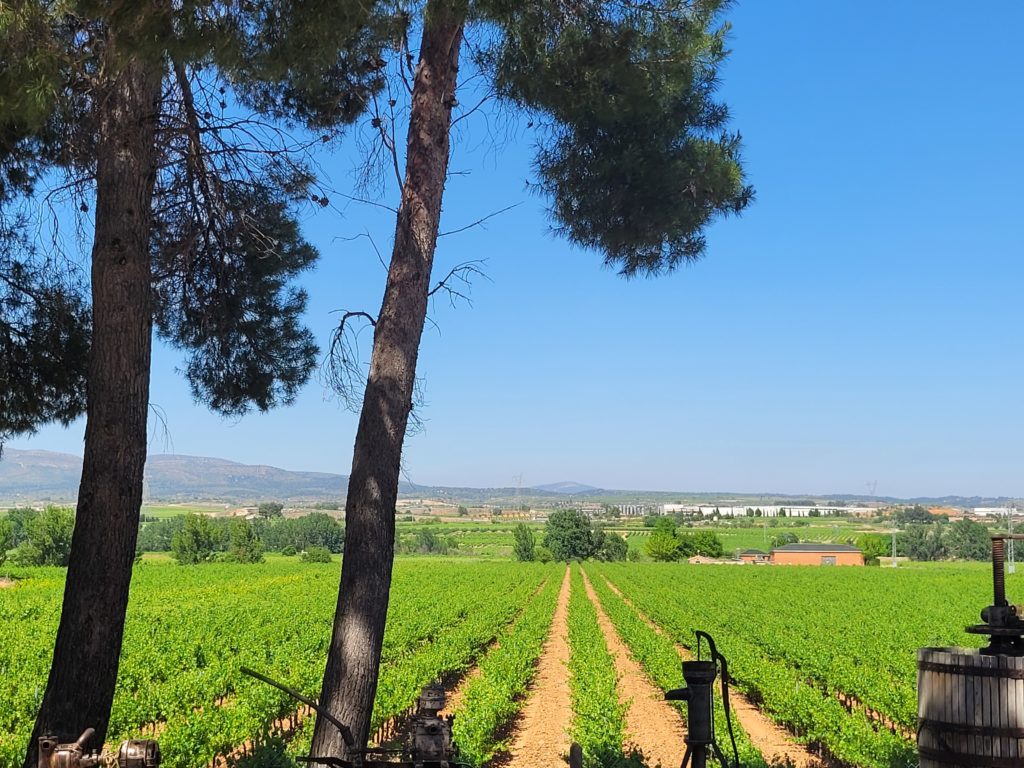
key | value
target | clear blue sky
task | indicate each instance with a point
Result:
(861, 322)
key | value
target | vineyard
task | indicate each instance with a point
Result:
(822, 658)
(189, 630)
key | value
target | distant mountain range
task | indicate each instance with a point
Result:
(36, 476)
(568, 487)
(48, 476)
(44, 475)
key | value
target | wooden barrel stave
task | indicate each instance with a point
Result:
(970, 709)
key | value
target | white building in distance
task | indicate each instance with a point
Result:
(767, 510)
(994, 511)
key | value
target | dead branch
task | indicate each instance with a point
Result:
(458, 282)
(480, 221)
(342, 370)
(373, 244)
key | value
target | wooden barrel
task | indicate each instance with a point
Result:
(970, 709)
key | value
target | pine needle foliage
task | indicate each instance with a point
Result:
(634, 156)
(225, 246)
(44, 343)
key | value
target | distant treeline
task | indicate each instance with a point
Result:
(195, 538)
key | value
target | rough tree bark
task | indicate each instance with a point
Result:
(350, 677)
(80, 687)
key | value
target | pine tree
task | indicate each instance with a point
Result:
(635, 159)
(525, 544)
(121, 110)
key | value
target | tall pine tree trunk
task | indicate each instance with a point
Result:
(350, 678)
(80, 688)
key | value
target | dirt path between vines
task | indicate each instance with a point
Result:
(453, 699)
(771, 740)
(653, 726)
(541, 733)
(456, 693)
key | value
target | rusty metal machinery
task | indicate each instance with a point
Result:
(428, 741)
(1004, 623)
(135, 753)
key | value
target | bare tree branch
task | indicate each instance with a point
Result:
(460, 274)
(480, 221)
(373, 244)
(342, 371)
(483, 100)
(163, 430)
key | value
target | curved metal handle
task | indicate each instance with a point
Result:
(343, 729)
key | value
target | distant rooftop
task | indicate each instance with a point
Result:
(753, 552)
(811, 546)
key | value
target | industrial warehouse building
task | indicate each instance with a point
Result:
(811, 553)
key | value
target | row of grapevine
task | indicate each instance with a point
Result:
(493, 698)
(657, 654)
(598, 723)
(881, 615)
(782, 690)
(190, 629)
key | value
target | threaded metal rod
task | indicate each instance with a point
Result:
(998, 575)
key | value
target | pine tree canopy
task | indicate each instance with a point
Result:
(246, 344)
(225, 245)
(313, 62)
(633, 150)
(44, 344)
(634, 153)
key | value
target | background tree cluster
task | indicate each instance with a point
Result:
(666, 543)
(199, 537)
(196, 538)
(569, 535)
(31, 537)
(932, 540)
(961, 540)
(915, 514)
(426, 542)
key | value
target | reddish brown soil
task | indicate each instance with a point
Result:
(455, 695)
(541, 734)
(772, 741)
(6, 583)
(453, 698)
(653, 726)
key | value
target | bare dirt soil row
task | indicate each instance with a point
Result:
(541, 733)
(653, 726)
(771, 740)
(455, 693)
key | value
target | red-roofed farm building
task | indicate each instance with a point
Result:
(811, 553)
